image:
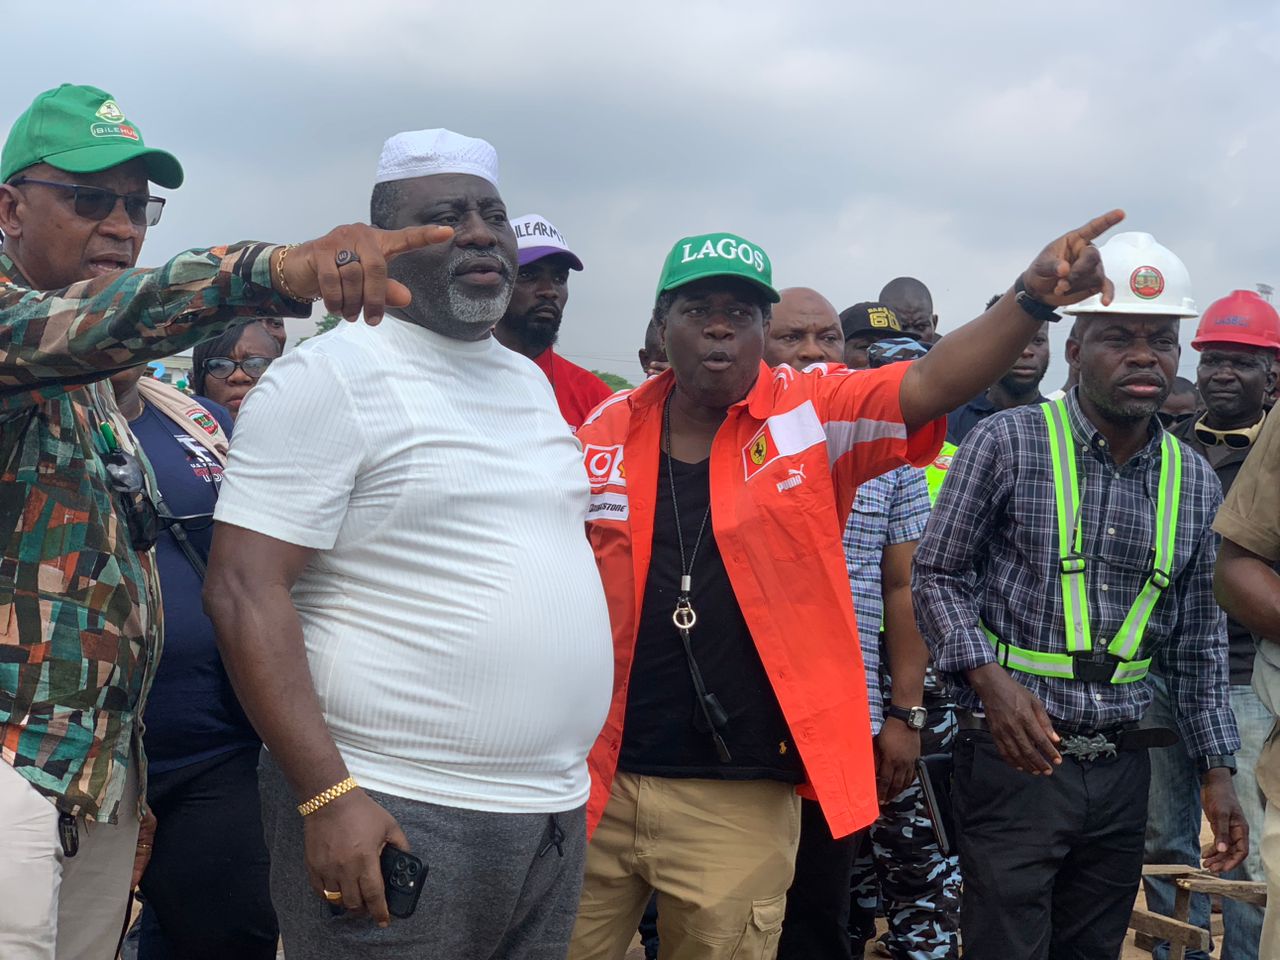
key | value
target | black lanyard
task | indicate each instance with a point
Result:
(712, 714)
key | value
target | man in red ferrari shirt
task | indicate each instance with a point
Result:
(532, 322)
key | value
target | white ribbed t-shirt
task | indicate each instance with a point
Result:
(454, 619)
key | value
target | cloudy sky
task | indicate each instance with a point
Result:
(855, 142)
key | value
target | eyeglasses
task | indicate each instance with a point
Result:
(222, 367)
(96, 203)
(127, 480)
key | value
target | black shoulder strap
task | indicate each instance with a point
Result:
(179, 535)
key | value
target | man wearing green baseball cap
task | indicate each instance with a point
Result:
(80, 632)
(719, 491)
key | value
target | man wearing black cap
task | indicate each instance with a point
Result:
(864, 324)
(80, 631)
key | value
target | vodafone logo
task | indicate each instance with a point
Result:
(604, 465)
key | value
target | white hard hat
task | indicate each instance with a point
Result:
(1148, 277)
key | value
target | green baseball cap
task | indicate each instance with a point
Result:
(81, 129)
(717, 255)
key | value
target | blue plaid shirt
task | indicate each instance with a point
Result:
(990, 553)
(892, 508)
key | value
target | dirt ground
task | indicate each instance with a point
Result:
(1130, 951)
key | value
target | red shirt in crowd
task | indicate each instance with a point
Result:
(577, 389)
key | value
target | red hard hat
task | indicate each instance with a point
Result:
(1242, 317)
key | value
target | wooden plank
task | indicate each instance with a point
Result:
(1172, 870)
(1244, 891)
(1177, 932)
(1181, 913)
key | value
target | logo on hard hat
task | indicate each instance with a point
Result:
(1147, 282)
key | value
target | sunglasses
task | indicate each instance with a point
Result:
(1235, 439)
(222, 367)
(1171, 420)
(96, 203)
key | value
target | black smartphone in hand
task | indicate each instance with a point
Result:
(404, 876)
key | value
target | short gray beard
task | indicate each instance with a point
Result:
(441, 306)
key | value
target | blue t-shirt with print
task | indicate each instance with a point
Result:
(192, 713)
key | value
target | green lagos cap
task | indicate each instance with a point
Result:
(717, 255)
(81, 129)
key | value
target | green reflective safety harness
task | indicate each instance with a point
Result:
(936, 472)
(1116, 663)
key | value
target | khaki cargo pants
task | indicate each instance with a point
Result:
(720, 854)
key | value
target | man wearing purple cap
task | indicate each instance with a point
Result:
(408, 607)
(532, 322)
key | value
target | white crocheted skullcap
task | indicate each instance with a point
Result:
(424, 153)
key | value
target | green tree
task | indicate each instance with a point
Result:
(613, 381)
(324, 325)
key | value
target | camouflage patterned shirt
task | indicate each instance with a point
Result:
(80, 630)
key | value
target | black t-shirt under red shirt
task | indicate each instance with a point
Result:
(659, 737)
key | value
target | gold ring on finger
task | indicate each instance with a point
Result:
(332, 895)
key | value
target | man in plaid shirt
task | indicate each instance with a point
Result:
(1051, 777)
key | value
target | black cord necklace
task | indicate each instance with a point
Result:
(715, 719)
(684, 616)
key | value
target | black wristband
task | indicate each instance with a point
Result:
(913, 717)
(1031, 306)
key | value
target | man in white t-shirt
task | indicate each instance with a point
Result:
(408, 606)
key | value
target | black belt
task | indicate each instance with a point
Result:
(1091, 744)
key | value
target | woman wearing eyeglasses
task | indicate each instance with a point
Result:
(206, 885)
(226, 368)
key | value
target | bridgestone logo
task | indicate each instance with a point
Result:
(609, 506)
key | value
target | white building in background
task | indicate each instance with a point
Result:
(172, 369)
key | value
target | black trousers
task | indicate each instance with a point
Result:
(816, 926)
(1051, 865)
(207, 880)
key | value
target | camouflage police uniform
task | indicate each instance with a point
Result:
(901, 865)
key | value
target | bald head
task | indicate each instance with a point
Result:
(804, 329)
(911, 301)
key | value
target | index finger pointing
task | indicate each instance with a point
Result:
(396, 242)
(1099, 225)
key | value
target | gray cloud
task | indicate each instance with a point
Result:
(855, 144)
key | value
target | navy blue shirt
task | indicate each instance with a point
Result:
(963, 419)
(192, 713)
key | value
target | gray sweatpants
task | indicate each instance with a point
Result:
(497, 887)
